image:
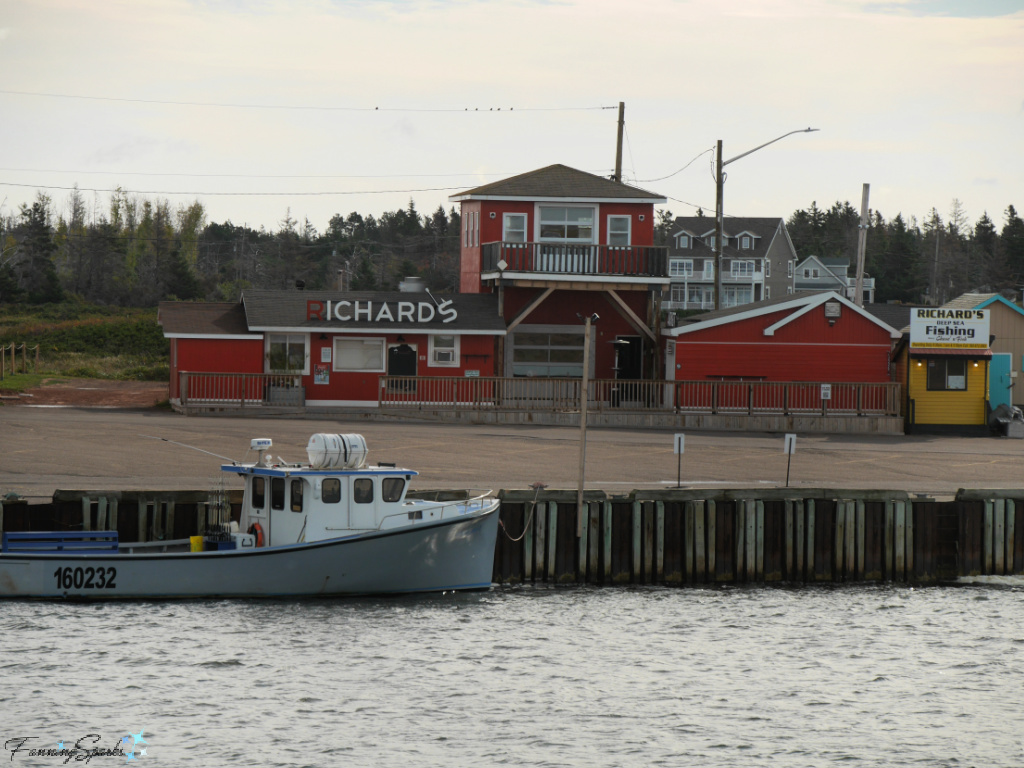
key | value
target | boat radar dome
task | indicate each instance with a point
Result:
(327, 451)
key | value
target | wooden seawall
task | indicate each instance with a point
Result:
(680, 537)
(667, 537)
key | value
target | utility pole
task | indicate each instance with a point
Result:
(862, 241)
(584, 385)
(618, 144)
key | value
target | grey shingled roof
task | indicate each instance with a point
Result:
(763, 227)
(287, 309)
(560, 181)
(218, 318)
(743, 308)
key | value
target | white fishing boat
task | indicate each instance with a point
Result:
(330, 526)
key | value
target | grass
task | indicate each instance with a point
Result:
(77, 340)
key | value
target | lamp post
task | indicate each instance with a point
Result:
(719, 196)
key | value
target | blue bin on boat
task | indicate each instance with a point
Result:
(213, 545)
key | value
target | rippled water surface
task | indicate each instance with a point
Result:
(874, 676)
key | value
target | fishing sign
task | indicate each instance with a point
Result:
(937, 328)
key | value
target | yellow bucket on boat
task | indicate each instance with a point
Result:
(197, 543)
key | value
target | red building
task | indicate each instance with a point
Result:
(558, 244)
(821, 338)
(328, 348)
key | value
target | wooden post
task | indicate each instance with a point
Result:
(810, 539)
(607, 526)
(659, 547)
(637, 528)
(712, 514)
(789, 538)
(688, 533)
(998, 536)
(699, 559)
(861, 538)
(550, 574)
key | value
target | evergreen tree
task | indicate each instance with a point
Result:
(38, 275)
(1012, 242)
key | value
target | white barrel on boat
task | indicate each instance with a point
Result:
(327, 451)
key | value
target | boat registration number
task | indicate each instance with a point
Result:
(85, 578)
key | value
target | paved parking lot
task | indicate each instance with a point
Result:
(43, 449)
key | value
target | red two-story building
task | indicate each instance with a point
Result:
(558, 245)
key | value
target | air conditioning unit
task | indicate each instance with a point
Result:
(444, 355)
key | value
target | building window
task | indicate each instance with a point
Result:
(618, 230)
(745, 243)
(465, 229)
(680, 268)
(807, 272)
(683, 241)
(709, 269)
(475, 234)
(767, 267)
(700, 297)
(286, 353)
(513, 229)
(710, 242)
(789, 268)
(767, 291)
(743, 269)
(947, 374)
(358, 354)
(734, 295)
(566, 225)
(444, 350)
(678, 293)
(789, 289)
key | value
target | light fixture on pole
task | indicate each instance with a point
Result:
(719, 198)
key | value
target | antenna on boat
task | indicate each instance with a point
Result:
(185, 445)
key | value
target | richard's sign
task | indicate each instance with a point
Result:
(346, 311)
(949, 328)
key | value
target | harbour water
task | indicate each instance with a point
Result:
(853, 676)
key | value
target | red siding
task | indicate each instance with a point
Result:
(214, 356)
(807, 349)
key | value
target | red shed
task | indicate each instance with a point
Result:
(803, 337)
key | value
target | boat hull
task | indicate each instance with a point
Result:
(449, 555)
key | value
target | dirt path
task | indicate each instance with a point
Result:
(90, 393)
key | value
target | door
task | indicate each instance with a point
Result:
(629, 360)
(1000, 382)
(402, 362)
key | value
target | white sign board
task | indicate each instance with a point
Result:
(826, 391)
(789, 445)
(937, 328)
(677, 444)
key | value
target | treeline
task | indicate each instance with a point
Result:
(138, 252)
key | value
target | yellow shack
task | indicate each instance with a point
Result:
(943, 365)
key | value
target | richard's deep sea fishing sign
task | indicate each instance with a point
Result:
(934, 327)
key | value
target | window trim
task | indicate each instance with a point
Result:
(505, 229)
(270, 338)
(538, 223)
(367, 340)
(433, 349)
(748, 265)
(930, 362)
(629, 229)
(687, 267)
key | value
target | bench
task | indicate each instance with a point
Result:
(72, 542)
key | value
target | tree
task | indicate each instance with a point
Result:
(664, 223)
(38, 275)
(1012, 242)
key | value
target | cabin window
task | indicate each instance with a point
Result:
(277, 493)
(359, 355)
(330, 492)
(444, 350)
(296, 495)
(566, 225)
(286, 353)
(514, 228)
(947, 375)
(259, 493)
(362, 491)
(391, 488)
(618, 230)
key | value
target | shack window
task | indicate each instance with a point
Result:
(259, 493)
(296, 495)
(331, 491)
(391, 488)
(362, 491)
(277, 493)
(947, 374)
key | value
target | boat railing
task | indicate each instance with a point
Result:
(447, 504)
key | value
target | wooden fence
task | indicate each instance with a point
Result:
(10, 352)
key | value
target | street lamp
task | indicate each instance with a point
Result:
(719, 196)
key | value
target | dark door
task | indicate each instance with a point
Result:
(402, 362)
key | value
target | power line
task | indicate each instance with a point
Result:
(270, 175)
(229, 105)
(648, 181)
(233, 194)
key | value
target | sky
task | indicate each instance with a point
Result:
(266, 109)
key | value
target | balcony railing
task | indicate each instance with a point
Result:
(240, 389)
(644, 261)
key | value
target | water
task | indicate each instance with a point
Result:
(862, 676)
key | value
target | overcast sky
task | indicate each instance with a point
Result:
(333, 106)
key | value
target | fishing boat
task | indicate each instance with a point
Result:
(330, 526)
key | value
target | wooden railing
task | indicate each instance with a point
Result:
(241, 389)
(10, 352)
(740, 397)
(564, 258)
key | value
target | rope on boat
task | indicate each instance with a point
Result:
(537, 488)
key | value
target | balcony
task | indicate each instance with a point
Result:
(643, 263)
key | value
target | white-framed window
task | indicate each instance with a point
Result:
(683, 241)
(745, 243)
(710, 241)
(700, 297)
(680, 267)
(709, 269)
(678, 293)
(815, 273)
(444, 350)
(475, 234)
(743, 269)
(807, 271)
(358, 354)
(287, 353)
(513, 228)
(789, 289)
(736, 295)
(767, 267)
(566, 224)
(465, 229)
(618, 230)
(789, 268)
(767, 291)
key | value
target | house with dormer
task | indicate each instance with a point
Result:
(758, 262)
(818, 273)
(557, 245)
